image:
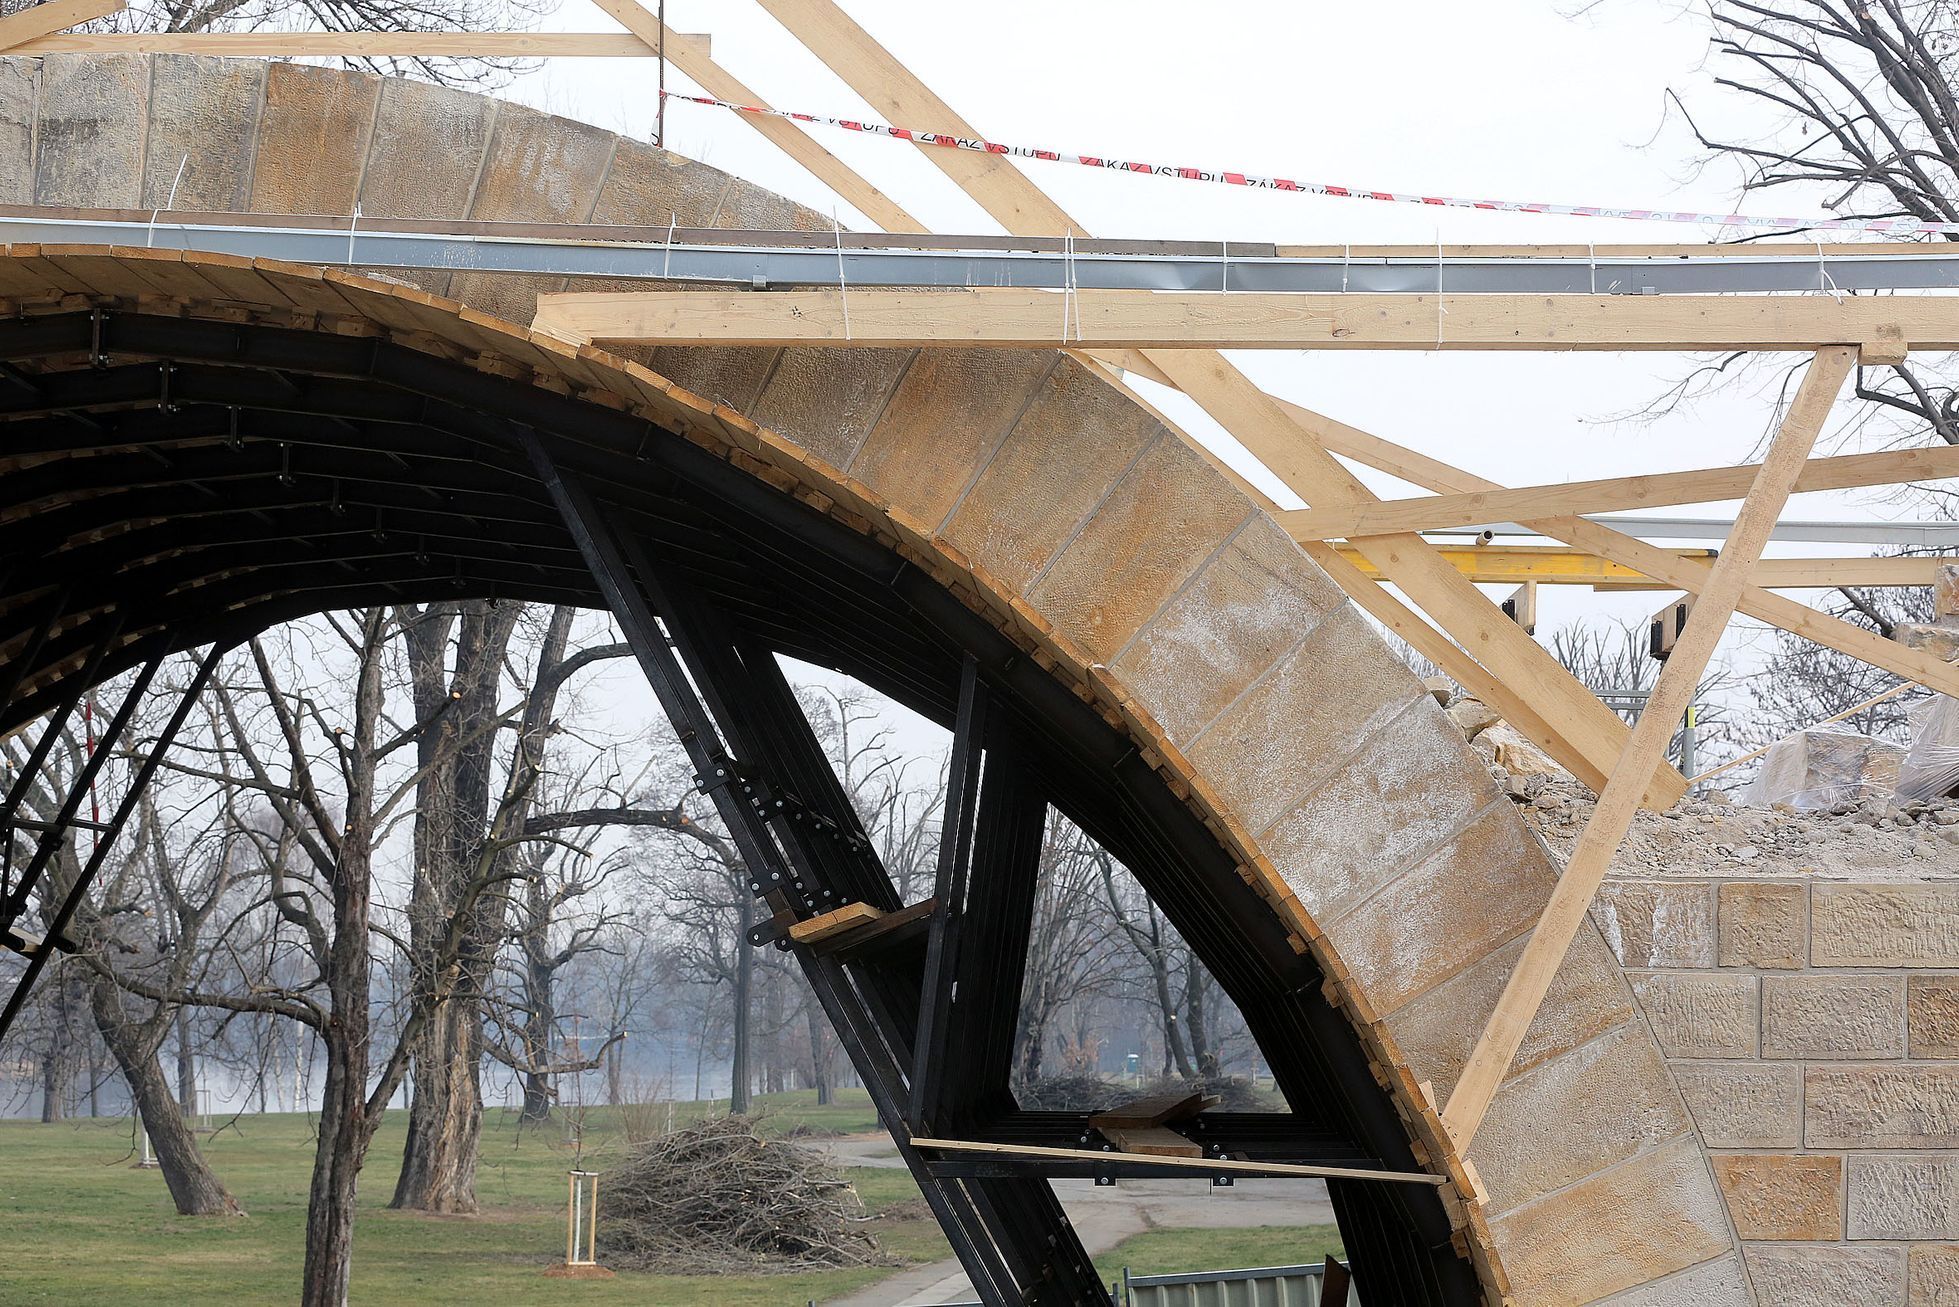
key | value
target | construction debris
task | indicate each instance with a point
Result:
(717, 1197)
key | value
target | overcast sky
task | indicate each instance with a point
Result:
(1504, 98)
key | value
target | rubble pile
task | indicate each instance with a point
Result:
(1859, 837)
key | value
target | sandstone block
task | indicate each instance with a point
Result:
(1629, 1105)
(1719, 1283)
(1877, 1106)
(1286, 736)
(1149, 535)
(734, 377)
(1701, 1014)
(1932, 1015)
(94, 111)
(1827, 1276)
(203, 115)
(1462, 902)
(1782, 1196)
(312, 136)
(826, 400)
(16, 131)
(947, 416)
(428, 149)
(1833, 1017)
(1884, 925)
(1744, 1104)
(1644, 1218)
(1406, 792)
(1238, 616)
(1904, 1197)
(1073, 442)
(1763, 925)
(1588, 997)
(1933, 1271)
(1652, 923)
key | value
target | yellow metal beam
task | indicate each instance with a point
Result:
(1554, 565)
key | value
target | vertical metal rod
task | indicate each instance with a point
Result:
(955, 849)
(660, 58)
(137, 784)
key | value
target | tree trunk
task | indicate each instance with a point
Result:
(615, 1075)
(194, 1187)
(540, 1022)
(744, 999)
(337, 1160)
(822, 1057)
(1200, 1026)
(445, 1116)
(186, 1068)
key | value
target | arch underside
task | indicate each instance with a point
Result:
(174, 479)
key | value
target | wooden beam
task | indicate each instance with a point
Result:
(1016, 318)
(835, 922)
(1611, 494)
(1217, 1165)
(1585, 735)
(1557, 565)
(787, 136)
(355, 45)
(1676, 572)
(1571, 896)
(17, 30)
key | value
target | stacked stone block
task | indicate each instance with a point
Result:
(1813, 1028)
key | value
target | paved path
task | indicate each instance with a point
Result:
(1102, 1217)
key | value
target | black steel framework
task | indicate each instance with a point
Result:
(237, 475)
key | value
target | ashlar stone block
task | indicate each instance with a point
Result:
(1933, 1270)
(1903, 925)
(1783, 1196)
(1830, 1017)
(1827, 1275)
(1701, 1014)
(1763, 925)
(1908, 1196)
(1880, 1106)
(1654, 923)
(1932, 1015)
(1744, 1104)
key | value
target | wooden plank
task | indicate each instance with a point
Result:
(1585, 735)
(17, 30)
(907, 922)
(1017, 318)
(834, 922)
(785, 135)
(1161, 1110)
(1571, 897)
(1155, 1141)
(1016, 203)
(1610, 494)
(349, 45)
(1678, 573)
(1213, 1165)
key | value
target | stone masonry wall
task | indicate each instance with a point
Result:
(1812, 1025)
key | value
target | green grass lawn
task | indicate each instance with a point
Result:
(78, 1224)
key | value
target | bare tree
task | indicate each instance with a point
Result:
(1067, 958)
(345, 16)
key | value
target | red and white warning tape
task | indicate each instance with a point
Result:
(1889, 226)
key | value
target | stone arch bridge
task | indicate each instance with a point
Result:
(194, 447)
